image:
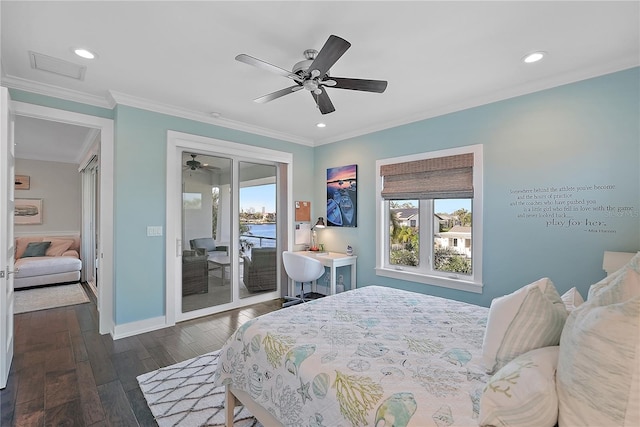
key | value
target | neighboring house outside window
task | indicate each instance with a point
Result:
(447, 186)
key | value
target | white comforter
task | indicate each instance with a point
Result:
(372, 356)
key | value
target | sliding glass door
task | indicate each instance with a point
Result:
(257, 240)
(207, 277)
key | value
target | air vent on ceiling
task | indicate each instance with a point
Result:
(56, 66)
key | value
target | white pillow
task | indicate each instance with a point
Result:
(633, 264)
(572, 299)
(529, 318)
(523, 392)
(599, 359)
(597, 375)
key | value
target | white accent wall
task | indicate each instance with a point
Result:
(59, 187)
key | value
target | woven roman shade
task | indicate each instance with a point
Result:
(449, 177)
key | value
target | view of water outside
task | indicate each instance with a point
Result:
(257, 213)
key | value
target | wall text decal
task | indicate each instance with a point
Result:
(579, 207)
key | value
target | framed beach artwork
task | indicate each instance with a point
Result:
(342, 200)
(28, 211)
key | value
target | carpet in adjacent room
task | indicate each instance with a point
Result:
(45, 297)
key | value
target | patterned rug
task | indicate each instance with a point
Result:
(42, 298)
(183, 395)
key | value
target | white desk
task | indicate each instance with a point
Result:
(333, 260)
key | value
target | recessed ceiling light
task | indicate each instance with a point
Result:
(321, 125)
(533, 57)
(215, 114)
(84, 53)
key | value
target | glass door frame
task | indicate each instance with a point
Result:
(177, 142)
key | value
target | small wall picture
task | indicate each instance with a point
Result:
(22, 182)
(28, 211)
(342, 197)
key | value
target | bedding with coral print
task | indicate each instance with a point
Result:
(370, 356)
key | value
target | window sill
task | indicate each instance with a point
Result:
(443, 282)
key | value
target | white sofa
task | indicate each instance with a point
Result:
(60, 264)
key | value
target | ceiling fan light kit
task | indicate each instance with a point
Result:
(312, 74)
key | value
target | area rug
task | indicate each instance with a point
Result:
(183, 395)
(48, 297)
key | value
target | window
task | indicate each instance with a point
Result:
(429, 218)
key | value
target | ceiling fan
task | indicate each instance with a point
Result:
(194, 164)
(312, 74)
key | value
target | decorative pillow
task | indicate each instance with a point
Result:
(36, 249)
(633, 264)
(572, 299)
(597, 377)
(624, 287)
(23, 241)
(523, 392)
(58, 247)
(529, 318)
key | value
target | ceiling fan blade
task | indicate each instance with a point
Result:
(377, 86)
(332, 50)
(323, 102)
(277, 94)
(268, 67)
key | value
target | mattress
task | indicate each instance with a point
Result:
(370, 356)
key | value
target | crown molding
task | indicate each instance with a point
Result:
(145, 104)
(512, 92)
(113, 98)
(54, 91)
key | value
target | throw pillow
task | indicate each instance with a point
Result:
(36, 249)
(58, 247)
(523, 392)
(572, 299)
(633, 264)
(23, 241)
(529, 318)
(597, 377)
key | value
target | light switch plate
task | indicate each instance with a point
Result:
(154, 230)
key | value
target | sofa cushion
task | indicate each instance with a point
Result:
(22, 242)
(36, 249)
(204, 243)
(58, 247)
(39, 266)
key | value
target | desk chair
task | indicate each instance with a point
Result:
(301, 269)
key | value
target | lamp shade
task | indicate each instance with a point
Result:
(320, 223)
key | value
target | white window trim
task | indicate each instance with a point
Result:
(473, 284)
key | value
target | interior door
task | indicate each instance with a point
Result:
(6, 236)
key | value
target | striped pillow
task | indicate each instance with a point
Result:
(529, 318)
(598, 375)
(523, 392)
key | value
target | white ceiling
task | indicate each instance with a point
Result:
(438, 57)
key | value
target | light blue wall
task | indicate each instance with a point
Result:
(586, 133)
(580, 134)
(140, 182)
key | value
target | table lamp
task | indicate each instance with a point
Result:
(314, 235)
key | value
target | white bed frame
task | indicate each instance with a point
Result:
(233, 396)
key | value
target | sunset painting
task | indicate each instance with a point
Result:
(342, 197)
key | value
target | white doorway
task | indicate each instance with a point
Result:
(105, 202)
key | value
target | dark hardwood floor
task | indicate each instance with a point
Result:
(64, 373)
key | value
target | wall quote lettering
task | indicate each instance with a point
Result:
(578, 207)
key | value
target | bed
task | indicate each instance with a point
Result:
(370, 356)
(384, 357)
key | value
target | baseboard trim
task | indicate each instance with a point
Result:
(139, 327)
